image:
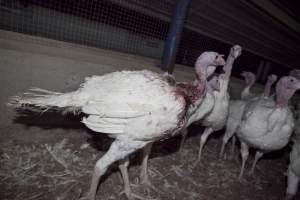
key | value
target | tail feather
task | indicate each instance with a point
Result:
(35, 89)
(42, 100)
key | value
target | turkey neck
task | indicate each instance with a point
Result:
(282, 98)
(227, 73)
(268, 86)
(201, 73)
(282, 101)
(248, 87)
(228, 66)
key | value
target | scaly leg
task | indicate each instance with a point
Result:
(233, 142)
(228, 134)
(203, 140)
(123, 166)
(292, 185)
(118, 150)
(258, 155)
(183, 137)
(144, 176)
(224, 142)
(244, 154)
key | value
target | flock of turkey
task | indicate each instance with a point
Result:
(137, 108)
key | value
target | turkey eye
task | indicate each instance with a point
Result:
(216, 57)
(292, 80)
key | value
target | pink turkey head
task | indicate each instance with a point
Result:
(250, 78)
(207, 63)
(285, 89)
(214, 84)
(236, 51)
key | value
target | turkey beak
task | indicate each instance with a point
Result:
(220, 60)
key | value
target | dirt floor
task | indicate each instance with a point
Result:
(54, 159)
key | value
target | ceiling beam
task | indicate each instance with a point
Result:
(277, 13)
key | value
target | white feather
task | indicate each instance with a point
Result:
(293, 173)
(118, 103)
(265, 127)
(216, 119)
(202, 111)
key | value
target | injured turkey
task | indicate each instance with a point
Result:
(133, 107)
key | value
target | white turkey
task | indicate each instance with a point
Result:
(267, 124)
(216, 119)
(134, 107)
(295, 105)
(196, 114)
(236, 109)
(205, 108)
(213, 84)
(209, 100)
(192, 113)
(293, 172)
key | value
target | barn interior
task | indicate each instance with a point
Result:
(56, 44)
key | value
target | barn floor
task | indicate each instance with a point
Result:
(57, 162)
